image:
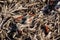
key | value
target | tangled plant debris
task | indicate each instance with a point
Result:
(29, 19)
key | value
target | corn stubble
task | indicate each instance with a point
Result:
(24, 20)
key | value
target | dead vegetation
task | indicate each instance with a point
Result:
(24, 20)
